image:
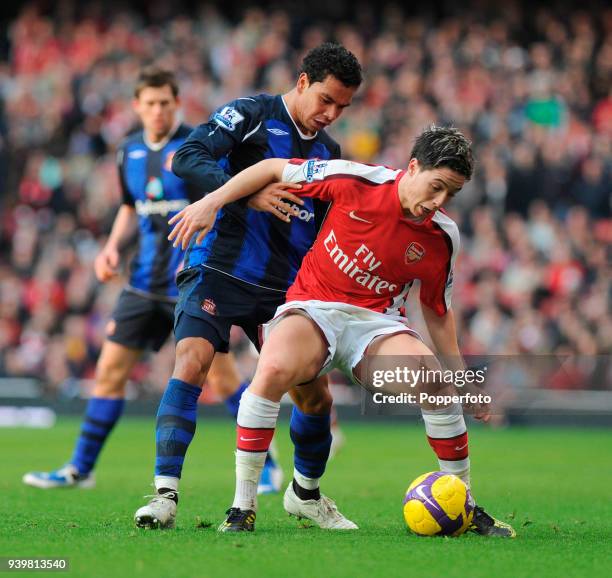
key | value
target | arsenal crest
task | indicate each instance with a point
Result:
(414, 253)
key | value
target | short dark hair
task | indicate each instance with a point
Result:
(335, 60)
(153, 76)
(444, 146)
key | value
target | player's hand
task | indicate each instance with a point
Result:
(199, 217)
(275, 199)
(480, 411)
(106, 264)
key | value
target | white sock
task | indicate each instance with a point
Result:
(255, 413)
(166, 482)
(444, 423)
(248, 470)
(459, 468)
(304, 482)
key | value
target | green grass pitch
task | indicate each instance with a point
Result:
(554, 485)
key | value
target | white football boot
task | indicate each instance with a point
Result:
(323, 512)
(64, 477)
(159, 513)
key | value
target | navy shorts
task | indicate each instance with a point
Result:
(211, 302)
(140, 322)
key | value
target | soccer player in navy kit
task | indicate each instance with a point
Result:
(240, 275)
(144, 314)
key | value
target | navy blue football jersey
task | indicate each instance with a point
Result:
(156, 193)
(250, 245)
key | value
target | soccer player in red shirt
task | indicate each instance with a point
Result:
(384, 230)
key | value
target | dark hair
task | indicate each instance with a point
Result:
(444, 146)
(153, 76)
(335, 60)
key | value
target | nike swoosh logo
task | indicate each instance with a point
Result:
(249, 439)
(421, 494)
(352, 215)
(458, 449)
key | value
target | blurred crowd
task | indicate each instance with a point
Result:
(531, 86)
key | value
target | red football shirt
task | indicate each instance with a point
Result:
(367, 252)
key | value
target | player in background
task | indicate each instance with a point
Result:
(144, 314)
(384, 230)
(240, 275)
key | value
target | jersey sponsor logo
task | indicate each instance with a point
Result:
(148, 207)
(301, 213)
(137, 154)
(168, 161)
(154, 189)
(354, 216)
(360, 267)
(314, 170)
(228, 118)
(208, 306)
(278, 131)
(414, 253)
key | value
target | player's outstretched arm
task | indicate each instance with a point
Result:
(107, 262)
(273, 199)
(199, 217)
(443, 333)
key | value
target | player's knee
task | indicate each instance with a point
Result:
(274, 372)
(192, 363)
(111, 377)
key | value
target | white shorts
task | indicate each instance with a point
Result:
(348, 329)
